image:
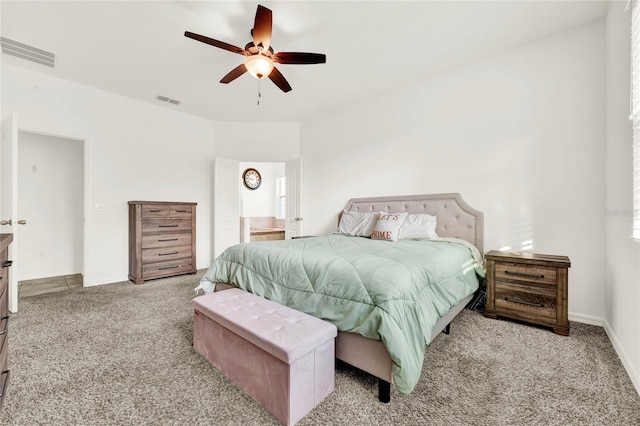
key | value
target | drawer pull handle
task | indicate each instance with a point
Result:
(182, 211)
(167, 254)
(6, 382)
(7, 263)
(167, 226)
(524, 274)
(6, 327)
(522, 302)
(168, 239)
(169, 267)
(155, 211)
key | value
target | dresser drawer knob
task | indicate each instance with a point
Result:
(155, 211)
(168, 254)
(167, 239)
(7, 263)
(182, 211)
(524, 274)
(167, 226)
(522, 302)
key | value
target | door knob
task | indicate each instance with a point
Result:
(22, 222)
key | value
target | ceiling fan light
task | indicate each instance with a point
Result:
(258, 65)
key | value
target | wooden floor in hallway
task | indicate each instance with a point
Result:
(49, 285)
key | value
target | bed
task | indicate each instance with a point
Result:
(388, 337)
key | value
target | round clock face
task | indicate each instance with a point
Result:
(251, 178)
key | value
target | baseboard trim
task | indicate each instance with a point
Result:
(586, 319)
(105, 281)
(631, 371)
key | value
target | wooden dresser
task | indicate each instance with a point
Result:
(528, 287)
(162, 239)
(5, 240)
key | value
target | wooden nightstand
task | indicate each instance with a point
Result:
(528, 287)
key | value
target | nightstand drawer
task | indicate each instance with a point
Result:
(513, 272)
(525, 303)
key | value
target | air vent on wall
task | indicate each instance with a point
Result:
(166, 99)
(29, 53)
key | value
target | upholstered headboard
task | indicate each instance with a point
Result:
(456, 218)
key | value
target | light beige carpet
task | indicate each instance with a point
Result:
(121, 354)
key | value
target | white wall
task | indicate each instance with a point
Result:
(519, 135)
(51, 200)
(622, 255)
(252, 141)
(135, 151)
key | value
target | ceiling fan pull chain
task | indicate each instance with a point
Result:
(259, 94)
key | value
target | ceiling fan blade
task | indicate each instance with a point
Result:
(216, 43)
(279, 80)
(234, 73)
(262, 27)
(300, 58)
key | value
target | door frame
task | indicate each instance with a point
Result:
(85, 173)
(219, 246)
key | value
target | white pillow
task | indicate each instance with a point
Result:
(357, 224)
(388, 226)
(419, 226)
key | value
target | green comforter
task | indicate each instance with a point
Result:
(389, 291)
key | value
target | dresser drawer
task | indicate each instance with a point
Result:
(4, 343)
(155, 210)
(163, 269)
(523, 302)
(165, 225)
(165, 240)
(513, 272)
(4, 299)
(177, 211)
(165, 253)
(4, 385)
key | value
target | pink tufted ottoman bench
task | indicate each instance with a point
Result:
(283, 358)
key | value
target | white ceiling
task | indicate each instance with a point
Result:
(138, 48)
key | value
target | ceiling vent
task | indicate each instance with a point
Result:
(168, 100)
(29, 53)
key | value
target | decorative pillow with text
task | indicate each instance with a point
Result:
(388, 226)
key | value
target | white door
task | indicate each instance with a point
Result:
(226, 200)
(293, 218)
(9, 199)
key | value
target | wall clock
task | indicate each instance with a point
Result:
(251, 179)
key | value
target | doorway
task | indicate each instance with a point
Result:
(51, 191)
(262, 209)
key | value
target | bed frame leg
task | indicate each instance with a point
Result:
(447, 329)
(384, 391)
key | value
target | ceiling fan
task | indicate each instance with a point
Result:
(260, 57)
